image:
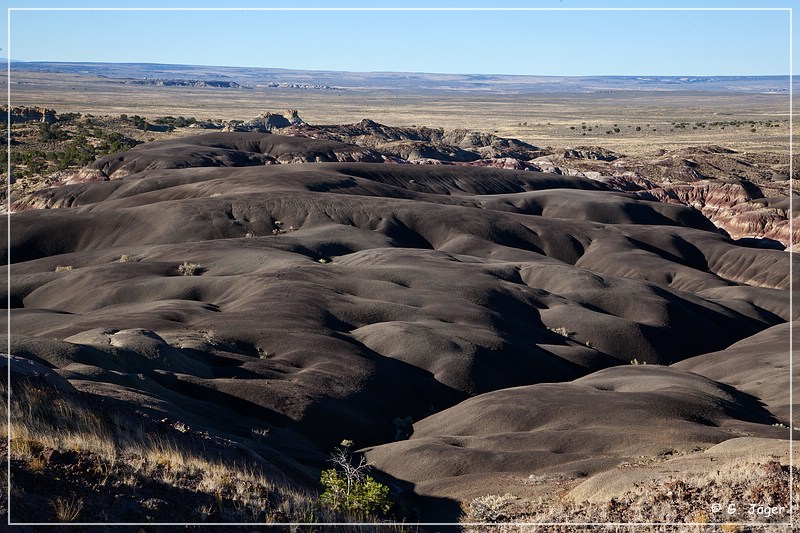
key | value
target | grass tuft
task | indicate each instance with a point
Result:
(67, 510)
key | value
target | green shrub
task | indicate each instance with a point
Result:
(349, 490)
(78, 152)
(138, 122)
(51, 133)
(172, 122)
(363, 498)
(68, 117)
(115, 142)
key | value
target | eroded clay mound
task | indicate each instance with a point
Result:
(222, 150)
(322, 301)
(559, 434)
(758, 365)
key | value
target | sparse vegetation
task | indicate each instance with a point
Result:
(490, 508)
(107, 452)
(561, 330)
(48, 133)
(113, 142)
(68, 144)
(666, 501)
(61, 268)
(138, 122)
(189, 269)
(172, 122)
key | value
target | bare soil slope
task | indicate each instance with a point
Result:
(323, 300)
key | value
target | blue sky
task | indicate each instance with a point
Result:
(568, 43)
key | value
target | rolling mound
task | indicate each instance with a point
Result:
(325, 297)
(573, 430)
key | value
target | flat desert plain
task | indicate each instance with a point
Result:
(543, 119)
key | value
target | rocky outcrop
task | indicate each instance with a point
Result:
(419, 144)
(738, 207)
(689, 164)
(705, 162)
(595, 153)
(269, 121)
(743, 194)
(28, 114)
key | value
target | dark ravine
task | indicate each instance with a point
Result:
(341, 289)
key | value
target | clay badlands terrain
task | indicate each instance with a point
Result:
(506, 330)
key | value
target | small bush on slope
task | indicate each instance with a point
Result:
(350, 490)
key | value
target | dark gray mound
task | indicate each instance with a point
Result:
(227, 150)
(569, 430)
(328, 299)
(758, 365)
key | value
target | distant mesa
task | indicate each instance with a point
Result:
(312, 86)
(185, 83)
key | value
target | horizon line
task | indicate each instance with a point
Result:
(10, 61)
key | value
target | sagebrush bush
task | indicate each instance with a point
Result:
(490, 508)
(189, 269)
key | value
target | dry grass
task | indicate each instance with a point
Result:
(123, 455)
(676, 501)
(40, 419)
(68, 510)
(96, 454)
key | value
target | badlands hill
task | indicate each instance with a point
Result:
(323, 291)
